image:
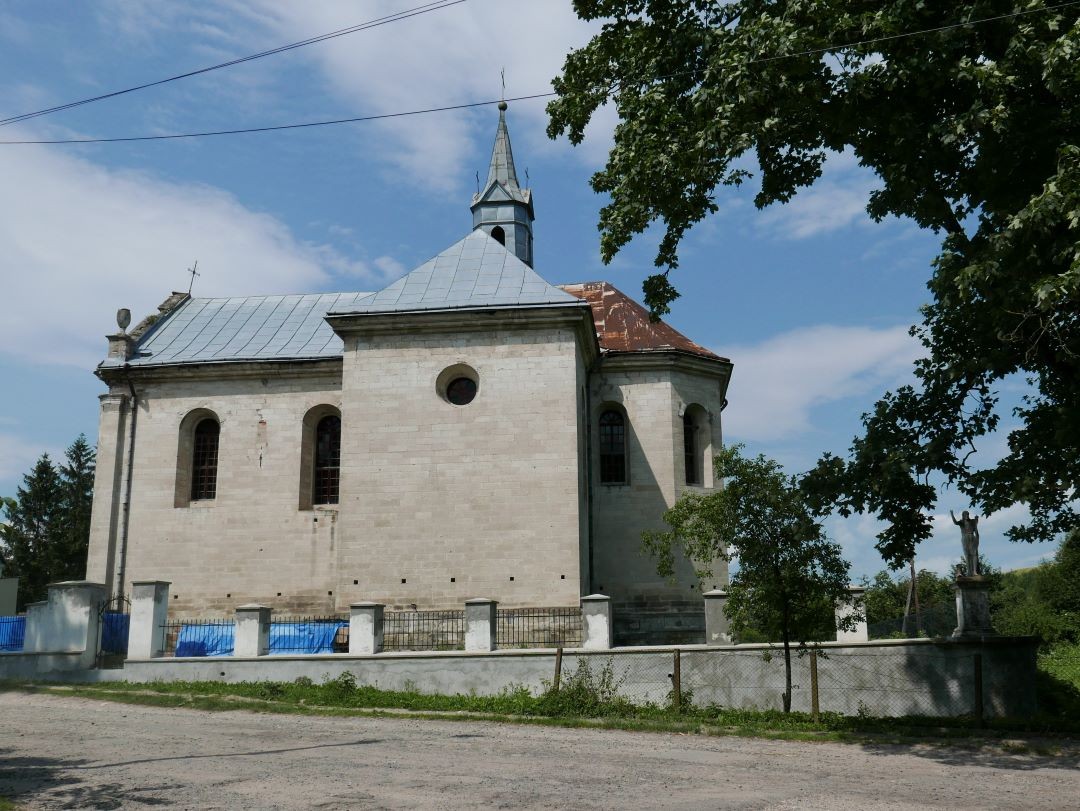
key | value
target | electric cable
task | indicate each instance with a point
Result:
(533, 96)
(438, 5)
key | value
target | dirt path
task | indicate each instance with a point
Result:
(60, 752)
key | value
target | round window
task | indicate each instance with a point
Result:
(458, 384)
(461, 391)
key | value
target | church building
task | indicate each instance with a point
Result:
(469, 431)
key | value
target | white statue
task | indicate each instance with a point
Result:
(969, 537)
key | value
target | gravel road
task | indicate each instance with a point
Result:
(58, 752)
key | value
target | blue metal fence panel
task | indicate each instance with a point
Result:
(12, 633)
(114, 632)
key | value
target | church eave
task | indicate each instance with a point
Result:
(219, 369)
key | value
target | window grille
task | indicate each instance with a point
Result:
(205, 460)
(327, 460)
(692, 457)
(612, 447)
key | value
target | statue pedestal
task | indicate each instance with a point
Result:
(972, 607)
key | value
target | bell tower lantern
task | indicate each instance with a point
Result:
(502, 209)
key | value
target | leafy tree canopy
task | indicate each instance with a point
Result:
(967, 114)
(789, 573)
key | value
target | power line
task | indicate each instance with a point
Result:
(283, 126)
(438, 5)
(357, 119)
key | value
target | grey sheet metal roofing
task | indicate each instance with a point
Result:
(215, 330)
(475, 272)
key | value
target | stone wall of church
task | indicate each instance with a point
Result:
(442, 503)
(251, 542)
(653, 400)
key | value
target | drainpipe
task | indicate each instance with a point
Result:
(126, 504)
(589, 470)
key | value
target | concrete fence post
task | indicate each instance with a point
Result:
(149, 613)
(365, 628)
(252, 630)
(717, 625)
(480, 624)
(33, 639)
(69, 621)
(855, 607)
(596, 622)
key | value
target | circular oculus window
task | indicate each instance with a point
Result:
(458, 384)
(461, 391)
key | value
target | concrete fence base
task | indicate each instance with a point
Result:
(933, 678)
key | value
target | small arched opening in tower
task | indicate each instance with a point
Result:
(499, 235)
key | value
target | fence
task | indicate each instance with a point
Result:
(538, 627)
(12, 633)
(423, 630)
(935, 621)
(309, 635)
(200, 638)
(879, 683)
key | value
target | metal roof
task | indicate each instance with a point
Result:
(475, 272)
(623, 325)
(210, 330)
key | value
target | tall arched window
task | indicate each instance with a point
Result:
(498, 234)
(204, 460)
(692, 450)
(612, 437)
(327, 477)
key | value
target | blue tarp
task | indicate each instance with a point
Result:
(303, 637)
(285, 637)
(114, 632)
(205, 640)
(12, 633)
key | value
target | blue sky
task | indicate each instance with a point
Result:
(811, 300)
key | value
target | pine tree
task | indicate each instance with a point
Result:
(68, 556)
(31, 529)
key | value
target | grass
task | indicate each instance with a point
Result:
(588, 698)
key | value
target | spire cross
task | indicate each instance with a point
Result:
(193, 273)
(502, 74)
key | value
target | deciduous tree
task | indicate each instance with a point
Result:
(788, 571)
(967, 114)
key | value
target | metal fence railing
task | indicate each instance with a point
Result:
(935, 621)
(538, 627)
(309, 635)
(423, 630)
(12, 633)
(200, 637)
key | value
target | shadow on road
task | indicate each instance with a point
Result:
(362, 742)
(56, 780)
(960, 753)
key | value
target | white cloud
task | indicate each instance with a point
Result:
(837, 200)
(442, 58)
(81, 241)
(17, 456)
(783, 378)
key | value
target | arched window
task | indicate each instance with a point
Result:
(612, 437)
(499, 235)
(204, 460)
(327, 460)
(692, 449)
(320, 457)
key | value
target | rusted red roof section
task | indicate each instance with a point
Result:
(623, 325)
